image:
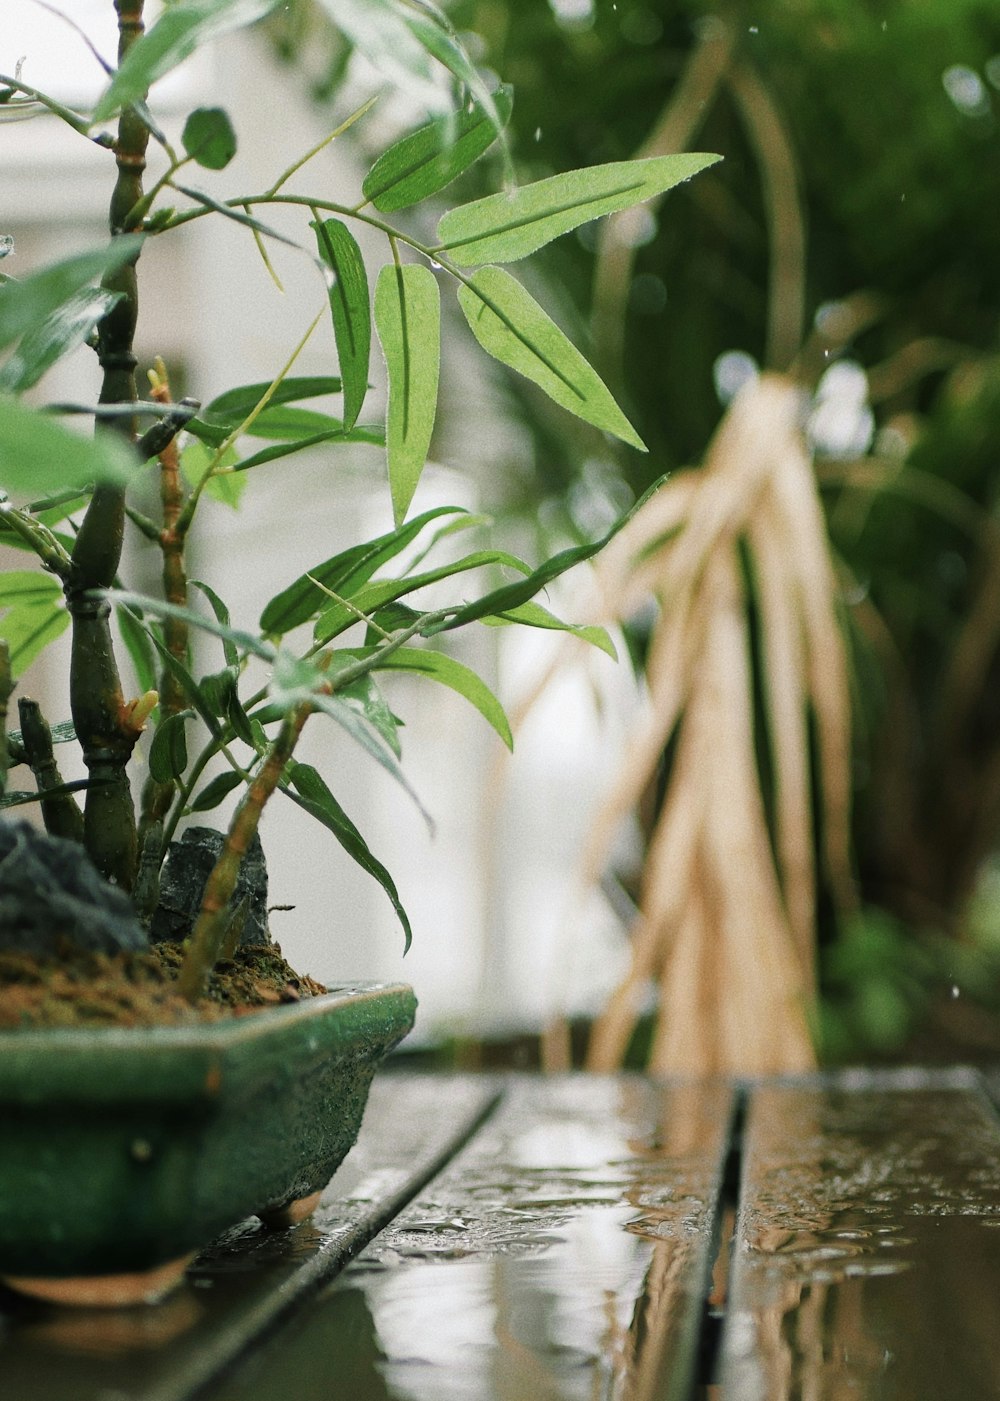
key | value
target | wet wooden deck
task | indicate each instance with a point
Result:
(525, 1239)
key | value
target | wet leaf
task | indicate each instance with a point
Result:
(429, 159)
(503, 228)
(510, 325)
(408, 320)
(350, 310)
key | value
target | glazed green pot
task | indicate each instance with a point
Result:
(121, 1150)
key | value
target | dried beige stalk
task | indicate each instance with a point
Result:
(726, 927)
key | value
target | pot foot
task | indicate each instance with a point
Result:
(279, 1218)
(104, 1291)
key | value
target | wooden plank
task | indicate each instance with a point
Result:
(867, 1253)
(251, 1277)
(564, 1253)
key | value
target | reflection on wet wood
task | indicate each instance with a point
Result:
(867, 1256)
(251, 1277)
(565, 1253)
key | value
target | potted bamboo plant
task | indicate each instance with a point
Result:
(143, 1111)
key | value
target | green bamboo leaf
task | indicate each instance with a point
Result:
(365, 696)
(27, 302)
(168, 755)
(343, 574)
(533, 615)
(180, 29)
(244, 641)
(374, 436)
(510, 325)
(295, 680)
(511, 596)
(222, 615)
(19, 799)
(39, 457)
(312, 794)
(350, 310)
(215, 792)
(373, 596)
(209, 138)
(408, 320)
(227, 486)
(227, 411)
(449, 672)
(33, 615)
(505, 227)
(189, 686)
(135, 636)
(429, 159)
(62, 331)
(285, 422)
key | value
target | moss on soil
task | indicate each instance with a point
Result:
(139, 989)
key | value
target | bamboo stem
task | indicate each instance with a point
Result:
(60, 813)
(157, 797)
(96, 700)
(212, 924)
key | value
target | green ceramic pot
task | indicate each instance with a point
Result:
(121, 1150)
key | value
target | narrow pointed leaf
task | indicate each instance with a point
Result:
(359, 730)
(179, 30)
(25, 303)
(215, 791)
(350, 309)
(225, 486)
(408, 319)
(236, 215)
(227, 411)
(510, 325)
(168, 753)
(189, 686)
(429, 159)
(510, 596)
(449, 672)
(374, 436)
(135, 636)
(312, 794)
(503, 228)
(39, 457)
(245, 641)
(378, 592)
(533, 615)
(60, 332)
(343, 574)
(369, 701)
(221, 612)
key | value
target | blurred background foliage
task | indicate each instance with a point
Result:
(854, 220)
